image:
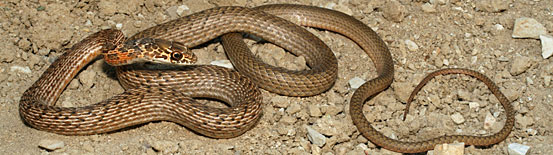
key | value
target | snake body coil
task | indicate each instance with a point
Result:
(141, 100)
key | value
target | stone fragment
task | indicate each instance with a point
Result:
(449, 149)
(528, 28)
(315, 137)
(428, 8)
(51, 144)
(520, 65)
(518, 149)
(356, 82)
(314, 110)
(21, 69)
(394, 11)
(546, 46)
(492, 5)
(457, 118)
(412, 46)
(222, 63)
(489, 121)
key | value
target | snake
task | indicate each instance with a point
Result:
(280, 24)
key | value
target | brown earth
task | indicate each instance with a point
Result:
(452, 33)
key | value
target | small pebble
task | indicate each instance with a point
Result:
(21, 69)
(492, 5)
(412, 46)
(474, 105)
(457, 118)
(222, 63)
(449, 149)
(523, 121)
(280, 101)
(87, 78)
(181, 9)
(520, 65)
(528, 28)
(546, 46)
(294, 108)
(288, 120)
(356, 82)
(518, 149)
(51, 144)
(428, 8)
(314, 110)
(315, 137)
(394, 11)
(119, 26)
(489, 121)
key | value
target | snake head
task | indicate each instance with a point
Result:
(149, 50)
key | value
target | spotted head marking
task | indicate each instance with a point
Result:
(150, 50)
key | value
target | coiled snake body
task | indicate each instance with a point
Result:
(160, 95)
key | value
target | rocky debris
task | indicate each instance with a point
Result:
(176, 11)
(448, 149)
(546, 46)
(489, 121)
(315, 137)
(87, 78)
(314, 110)
(457, 118)
(492, 5)
(394, 11)
(412, 46)
(518, 149)
(528, 28)
(523, 121)
(20, 69)
(51, 144)
(222, 63)
(520, 65)
(356, 82)
(428, 8)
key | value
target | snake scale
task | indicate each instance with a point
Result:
(165, 95)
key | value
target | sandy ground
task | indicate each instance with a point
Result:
(448, 34)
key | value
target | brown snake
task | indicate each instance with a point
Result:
(141, 101)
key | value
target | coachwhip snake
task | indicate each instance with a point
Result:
(141, 101)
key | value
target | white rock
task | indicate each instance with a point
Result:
(429, 8)
(474, 105)
(51, 144)
(518, 149)
(412, 46)
(546, 46)
(499, 27)
(118, 26)
(222, 63)
(457, 118)
(449, 149)
(315, 137)
(25, 69)
(531, 131)
(441, 2)
(489, 121)
(528, 28)
(356, 82)
(181, 9)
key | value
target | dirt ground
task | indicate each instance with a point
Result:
(422, 35)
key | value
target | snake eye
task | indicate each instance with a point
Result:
(176, 55)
